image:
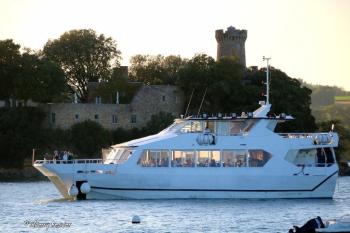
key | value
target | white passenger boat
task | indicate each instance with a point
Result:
(222, 156)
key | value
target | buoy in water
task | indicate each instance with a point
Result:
(85, 188)
(73, 191)
(135, 219)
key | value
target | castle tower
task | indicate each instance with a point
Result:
(231, 43)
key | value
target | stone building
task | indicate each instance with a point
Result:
(148, 101)
(231, 43)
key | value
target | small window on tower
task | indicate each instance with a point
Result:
(163, 98)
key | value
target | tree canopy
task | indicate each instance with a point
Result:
(28, 75)
(9, 61)
(85, 57)
(155, 69)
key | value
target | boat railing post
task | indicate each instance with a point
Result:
(33, 156)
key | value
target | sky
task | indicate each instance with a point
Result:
(307, 39)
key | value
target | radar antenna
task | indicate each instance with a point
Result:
(267, 59)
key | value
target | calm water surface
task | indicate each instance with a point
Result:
(40, 202)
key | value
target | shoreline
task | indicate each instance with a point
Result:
(26, 174)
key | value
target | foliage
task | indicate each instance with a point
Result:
(158, 122)
(28, 76)
(333, 112)
(325, 95)
(289, 96)
(195, 77)
(39, 79)
(9, 60)
(120, 135)
(126, 90)
(84, 56)
(155, 69)
(88, 137)
(19, 133)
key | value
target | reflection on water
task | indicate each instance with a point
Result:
(38, 203)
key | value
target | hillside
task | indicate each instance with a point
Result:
(330, 104)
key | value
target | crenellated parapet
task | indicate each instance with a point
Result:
(231, 43)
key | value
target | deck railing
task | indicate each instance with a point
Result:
(317, 138)
(301, 135)
(75, 161)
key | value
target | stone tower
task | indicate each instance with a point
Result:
(231, 43)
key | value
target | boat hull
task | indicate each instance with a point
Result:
(324, 191)
(154, 184)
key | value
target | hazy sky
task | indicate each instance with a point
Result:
(307, 39)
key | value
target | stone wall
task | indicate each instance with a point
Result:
(149, 100)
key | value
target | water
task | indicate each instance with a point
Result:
(24, 203)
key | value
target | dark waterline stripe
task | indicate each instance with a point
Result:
(220, 190)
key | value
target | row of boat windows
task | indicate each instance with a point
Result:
(222, 128)
(203, 158)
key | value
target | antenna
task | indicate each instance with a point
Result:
(267, 59)
(200, 107)
(189, 102)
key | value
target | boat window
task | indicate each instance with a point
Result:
(324, 157)
(154, 158)
(306, 157)
(222, 128)
(208, 158)
(210, 125)
(227, 128)
(118, 155)
(193, 127)
(163, 158)
(234, 158)
(183, 158)
(236, 127)
(258, 158)
(329, 156)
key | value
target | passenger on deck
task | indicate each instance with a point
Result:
(212, 163)
(65, 157)
(55, 156)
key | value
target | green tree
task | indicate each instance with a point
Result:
(84, 56)
(158, 122)
(39, 79)
(19, 133)
(289, 96)
(155, 69)
(194, 77)
(9, 62)
(118, 83)
(88, 138)
(227, 91)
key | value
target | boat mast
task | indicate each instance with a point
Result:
(267, 79)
